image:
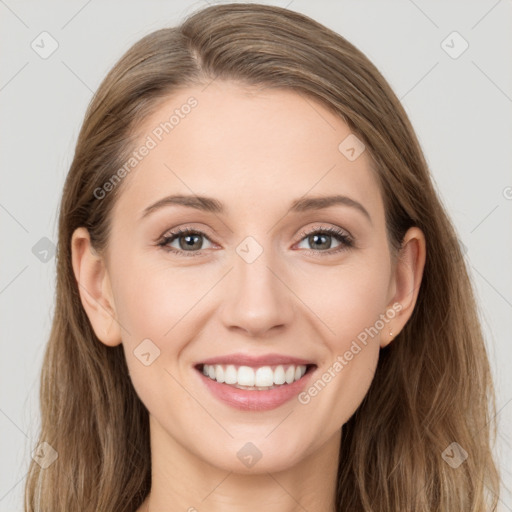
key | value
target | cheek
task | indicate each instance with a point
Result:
(352, 301)
(151, 299)
(152, 305)
(351, 304)
(347, 299)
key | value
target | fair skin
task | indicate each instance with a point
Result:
(255, 152)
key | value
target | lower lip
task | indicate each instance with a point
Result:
(255, 400)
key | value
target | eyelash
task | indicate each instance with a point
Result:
(346, 241)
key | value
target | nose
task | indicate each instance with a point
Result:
(257, 299)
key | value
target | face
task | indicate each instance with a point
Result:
(258, 270)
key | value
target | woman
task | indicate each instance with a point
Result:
(320, 350)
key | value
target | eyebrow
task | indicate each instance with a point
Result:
(209, 204)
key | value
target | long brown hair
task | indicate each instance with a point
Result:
(432, 386)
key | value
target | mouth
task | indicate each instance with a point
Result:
(259, 388)
(259, 378)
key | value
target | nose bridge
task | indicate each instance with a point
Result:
(258, 300)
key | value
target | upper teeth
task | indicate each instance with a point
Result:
(263, 376)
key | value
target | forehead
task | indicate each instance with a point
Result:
(251, 148)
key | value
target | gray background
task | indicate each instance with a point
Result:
(460, 107)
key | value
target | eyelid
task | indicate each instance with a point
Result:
(328, 229)
(205, 231)
(200, 229)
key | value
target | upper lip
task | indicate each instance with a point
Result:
(263, 360)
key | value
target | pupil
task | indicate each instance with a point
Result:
(314, 238)
(188, 242)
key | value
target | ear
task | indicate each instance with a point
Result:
(406, 281)
(94, 288)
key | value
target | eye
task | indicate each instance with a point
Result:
(321, 240)
(189, 241)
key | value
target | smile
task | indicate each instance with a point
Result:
(262, 378)
(255, 388)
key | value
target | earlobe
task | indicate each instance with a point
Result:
(406, 281)
(94, 287)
